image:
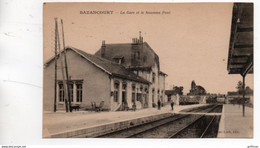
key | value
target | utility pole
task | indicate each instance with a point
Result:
(244, 93)
(65, 87)
(66, 67)
(55, 74)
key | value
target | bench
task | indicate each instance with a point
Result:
(75, 107)
(97, 108)
(100, 107)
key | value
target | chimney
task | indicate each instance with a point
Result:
(103, 43)
(134, 40)
(103, 48)
(138, 40)
(140, 37)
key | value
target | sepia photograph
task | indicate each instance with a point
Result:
(148, 70)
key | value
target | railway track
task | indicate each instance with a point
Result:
(199, 128)
(135, 130)
(217, 109)
(206, 109)
(176, 126)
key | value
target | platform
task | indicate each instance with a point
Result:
(233, 124)
(61, 122)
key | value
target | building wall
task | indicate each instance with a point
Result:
(154, 87)
(146, 56)
(162, 88)
(129, 91)
(142, 55)
(96, 83)
(158, 85)
(175, 99)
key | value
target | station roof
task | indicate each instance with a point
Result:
(241, 53)
(116, 50)
(109, 67)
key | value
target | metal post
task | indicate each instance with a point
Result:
(244, 95)
(55, 75)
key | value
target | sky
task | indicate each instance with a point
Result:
(191, 40)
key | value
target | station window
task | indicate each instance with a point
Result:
(79, 92)
(133, 93)
(134, 57)
(124, 93)
(61, 93)
(133, 88)
(138, 55)
(71, 91)
(124, 86)
(146, 90)
(72, 84)
(139, 97)
(153, 95)
(116, 89)
(119, 60)
(153, 79)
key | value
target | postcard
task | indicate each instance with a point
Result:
(148, 70)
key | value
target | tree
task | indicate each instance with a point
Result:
(181, 90)
(239, 88)
(193, 84)
(248, 90)
(178, 90)
(199, 90)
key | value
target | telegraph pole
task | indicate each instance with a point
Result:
(66, 67)
(55, 75)
(63, 77)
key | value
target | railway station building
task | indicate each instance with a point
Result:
(121, 75)
(139, 58)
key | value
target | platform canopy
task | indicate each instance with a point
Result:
(241, 45)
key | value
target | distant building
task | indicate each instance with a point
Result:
(234, 96)
(173, 95)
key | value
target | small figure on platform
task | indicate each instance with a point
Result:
(159, 104)
(172, 104)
